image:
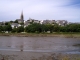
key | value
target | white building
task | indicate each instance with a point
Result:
(15, 25)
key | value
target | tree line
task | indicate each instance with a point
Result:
(41, 28)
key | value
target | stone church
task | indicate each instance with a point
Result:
(21, 20)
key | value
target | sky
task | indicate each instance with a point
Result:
(40, 10)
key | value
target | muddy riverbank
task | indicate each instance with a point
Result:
(66, 35)
(11, 55)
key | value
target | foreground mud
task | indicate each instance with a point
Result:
(10, 55)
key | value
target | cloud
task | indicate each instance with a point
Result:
(40, 9)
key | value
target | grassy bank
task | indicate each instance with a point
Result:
(58, 34)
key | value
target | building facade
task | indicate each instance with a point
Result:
(21, 20)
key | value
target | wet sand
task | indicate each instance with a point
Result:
(18, 55)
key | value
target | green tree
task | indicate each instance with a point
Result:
(43, 28)
(7, 23)
(48, 27)
(11, 21)
(63, 29)
(56, 28)
(16, 21)
(1, 28)
(20, 29)
(14, 30)
(35, 27)
(7, 28)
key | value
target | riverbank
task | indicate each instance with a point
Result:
(14, 55)
(67, 35)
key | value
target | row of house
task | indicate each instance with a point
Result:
(29, 21)
(59, 22)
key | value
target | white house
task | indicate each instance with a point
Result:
(15, 25)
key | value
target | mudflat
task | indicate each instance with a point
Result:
(39, 48)
(18, 55)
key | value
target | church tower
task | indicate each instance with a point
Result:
(22, 17)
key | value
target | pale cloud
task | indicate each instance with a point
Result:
(39, 9)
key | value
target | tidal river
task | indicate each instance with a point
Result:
(39, 44)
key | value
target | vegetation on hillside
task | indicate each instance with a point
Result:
(41, 28)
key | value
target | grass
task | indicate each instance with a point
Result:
(54, 34)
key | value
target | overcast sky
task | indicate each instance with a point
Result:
(40, 9)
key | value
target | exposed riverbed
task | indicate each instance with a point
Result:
(39, 44)
(36, 47)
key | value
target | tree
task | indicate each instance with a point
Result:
(7, 23)
(56, 28)
(11, 21)
(35, 27)
(31, 28)
(16, 21)
(7, 28)
(43, 28)
(51, 27)
(20, 29)
(1, 28)
(14, 30)
(63, 29)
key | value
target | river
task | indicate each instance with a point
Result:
(39, 44)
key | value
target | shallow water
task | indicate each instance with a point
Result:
(39, 44)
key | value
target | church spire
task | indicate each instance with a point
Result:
(22, 17)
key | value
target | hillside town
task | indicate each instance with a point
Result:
(18, 22)
(38, 26)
